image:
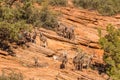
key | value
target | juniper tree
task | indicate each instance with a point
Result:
(111, 46)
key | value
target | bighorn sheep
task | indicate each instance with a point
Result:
(43, 39)
(64, 60)
(61, 29)
(70, 33)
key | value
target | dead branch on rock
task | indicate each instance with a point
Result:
(45, 51)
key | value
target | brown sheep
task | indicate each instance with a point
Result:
(34, 37)
(77, 61)
(64, 60)
(70, 33)
(43, 39)
(87, 60)
(61, 29)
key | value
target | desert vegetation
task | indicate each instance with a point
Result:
(11, 76)
(58, 2)
(111, 45)
(23, 16)
(15, 17)
(53, 2)
(105, 7)
(21, 22)
(47, 18)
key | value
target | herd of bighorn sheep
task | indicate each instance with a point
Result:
(25, 36)
(64, 31)
(80, 60)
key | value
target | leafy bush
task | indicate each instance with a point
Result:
(105, 7)
(12, 19)
(40, 1)
(9, 14)
(58, 2)
(44, 17)
(111, 46)
(47, 17)
(9, 32)
(11, 76)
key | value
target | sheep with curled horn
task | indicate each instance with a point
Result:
(78, 60)
(64, 60)
(60, 29)
(34, 35)
(87, 60)
(70, 33)
(27, 36)
(36, 61)
(43, 40)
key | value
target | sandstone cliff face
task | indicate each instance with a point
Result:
(85, 23)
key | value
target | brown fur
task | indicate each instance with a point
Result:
(61, 29)
(78, 61)
(70, 33)
(64, 61)
(43, 39)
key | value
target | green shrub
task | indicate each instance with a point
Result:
(34, 17)
(82, 3)
(105, 7)
(47, 17)
(9, 14)
(11, 76)
(58, 2)
(10, 31)
(111, 46)
(44, 17)
(40, 1)
(107, 10)
(12, 19)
